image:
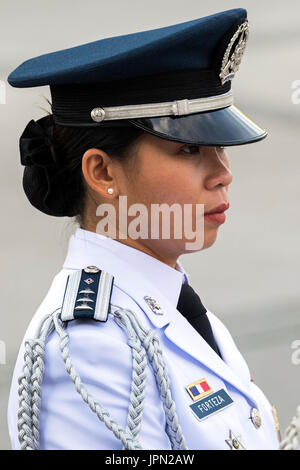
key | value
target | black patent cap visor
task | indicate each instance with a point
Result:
(222, 127)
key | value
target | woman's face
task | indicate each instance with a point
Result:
(165, 172)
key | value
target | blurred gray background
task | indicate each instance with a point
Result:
(250, 277)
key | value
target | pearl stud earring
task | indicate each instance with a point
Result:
(110, 190)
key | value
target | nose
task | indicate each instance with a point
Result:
(219, 173)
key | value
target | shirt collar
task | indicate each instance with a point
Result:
(90, 248)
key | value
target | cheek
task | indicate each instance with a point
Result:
(181, 183)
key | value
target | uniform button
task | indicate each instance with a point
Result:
(255, 417)
(91, 269)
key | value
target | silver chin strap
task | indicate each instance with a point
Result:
(172, 108)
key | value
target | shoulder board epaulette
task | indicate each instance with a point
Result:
(87, 294)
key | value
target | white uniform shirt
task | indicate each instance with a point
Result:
(101, 355)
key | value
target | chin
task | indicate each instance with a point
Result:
(210, 238)
(208, 242)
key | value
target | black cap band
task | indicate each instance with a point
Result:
(72, 104)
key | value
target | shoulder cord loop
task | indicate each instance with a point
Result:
(139, 373)
(29, 390)
(150, 341)
(125, 436)
(291, 440)
(142, 343)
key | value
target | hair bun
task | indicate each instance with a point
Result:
(42, 181)
(35, 147)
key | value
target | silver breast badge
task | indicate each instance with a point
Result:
(154, 305)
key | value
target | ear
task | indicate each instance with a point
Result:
(97, 169)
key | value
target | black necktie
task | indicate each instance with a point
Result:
(191, 307)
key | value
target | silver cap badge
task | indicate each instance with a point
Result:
(232, 59)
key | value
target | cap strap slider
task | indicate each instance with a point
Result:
(181, 107)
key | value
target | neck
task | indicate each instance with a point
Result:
(139, 245)
(167, 258)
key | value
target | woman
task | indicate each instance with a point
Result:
(132, 357)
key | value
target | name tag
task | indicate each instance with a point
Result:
(211, 404)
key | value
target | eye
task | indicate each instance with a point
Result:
(190, 149)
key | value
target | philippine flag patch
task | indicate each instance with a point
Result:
(199, 389)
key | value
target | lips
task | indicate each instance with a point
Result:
(221, 208)
(217, 215)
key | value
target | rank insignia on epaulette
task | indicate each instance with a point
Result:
(87, 294)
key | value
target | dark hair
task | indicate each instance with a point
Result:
(58, 188)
